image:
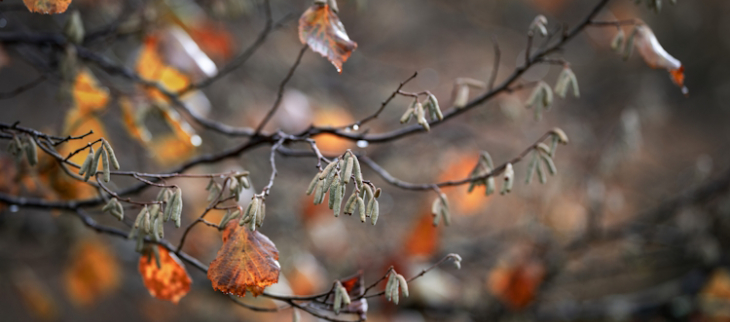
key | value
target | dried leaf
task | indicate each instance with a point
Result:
(656, 57)
(47, 6)
(170, 281)
(247, 261)
(321, 29)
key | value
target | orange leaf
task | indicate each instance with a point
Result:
(47, 6)
(247, 261)
(170, 281)
(333, 116)
(463, 202)
(656, 57)
(92, 272)
(424, 238)
(87, 93)
(151, 67)
(321, 29)
(515, 279)
(214, 40)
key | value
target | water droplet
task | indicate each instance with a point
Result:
(3, 22)
(362, 144)
(196, 140)
(14, 208)
(355, 127)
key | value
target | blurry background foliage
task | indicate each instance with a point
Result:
(636, 141)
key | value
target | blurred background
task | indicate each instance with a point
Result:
(632, 228)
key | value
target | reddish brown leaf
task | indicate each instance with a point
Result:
(321, 29)
(170, 281)
(47, 6)
(247, 261)
(656, 57)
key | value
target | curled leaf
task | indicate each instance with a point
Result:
(322, 30)
(247, 261)
(170, 281)
(656, 57)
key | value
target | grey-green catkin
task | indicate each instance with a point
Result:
(491, 186)
(549, 163)
(31, 151)
(348, 169)
(361, 208)
(226, 218)
(531, 168)
(350, 204)
(87, 163)
(312, 184)
(105, 166)
(177, 205)
(146, 221)
(357, 171)
(328, 169)
(246, 217)
(338, 200)
(140, 242)
(369, 209)
(160, 229)
(261, 214)
(333, 191)
(319, 192)
(436, 206)
(435, 105)
(541, 174)
(95, 162)
(403, 284)
(389, 286)
(554, 145)
(629, 47)
(375, 213)
(406, 116)
(338, 298)
(112, 155)
(254, 213)
(618, 40)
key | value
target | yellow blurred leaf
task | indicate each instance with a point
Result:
(87, 93)
(35, 295)
(151, 67)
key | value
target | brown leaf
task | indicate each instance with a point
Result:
(247, 261)
(321, 29)
(656, 57)
(47, 6)
(170, 281)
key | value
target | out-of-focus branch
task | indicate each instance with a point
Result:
(280, 93)
(430, 186)
(23, 88)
